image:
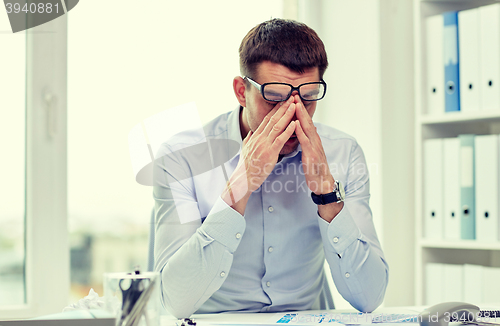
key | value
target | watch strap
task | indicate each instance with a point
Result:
(325, 198)
(336, 196)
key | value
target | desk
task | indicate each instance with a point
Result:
(237, 318)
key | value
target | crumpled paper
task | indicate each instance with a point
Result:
(91, 301)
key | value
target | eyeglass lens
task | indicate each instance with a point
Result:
(280, 92)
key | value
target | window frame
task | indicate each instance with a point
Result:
(47, 270)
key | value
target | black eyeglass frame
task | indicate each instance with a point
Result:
(261, 89)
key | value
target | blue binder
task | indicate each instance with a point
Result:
(467, 188)
(451, 61)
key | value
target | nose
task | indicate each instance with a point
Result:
(296, 99)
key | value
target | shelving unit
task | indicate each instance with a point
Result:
(463, 244)
(459, 117)
(443, 126)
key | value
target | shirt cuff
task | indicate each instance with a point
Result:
(341, 232)
(224, 225)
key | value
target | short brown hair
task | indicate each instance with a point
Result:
(286, 42)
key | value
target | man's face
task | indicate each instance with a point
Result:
(257, 108)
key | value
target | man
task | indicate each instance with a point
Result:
(252, 235)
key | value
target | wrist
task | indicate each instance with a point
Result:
(330, 203)
(330, 211)
(236, 194)
(326, 186)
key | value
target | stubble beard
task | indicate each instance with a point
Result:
(289, 148)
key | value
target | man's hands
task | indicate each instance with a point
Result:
(259, 154)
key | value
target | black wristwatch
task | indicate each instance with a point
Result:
(336, 196)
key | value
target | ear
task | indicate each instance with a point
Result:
(239, 87)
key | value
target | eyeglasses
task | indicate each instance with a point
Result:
(279, 92)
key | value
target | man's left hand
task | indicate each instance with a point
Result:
(318, 176)
(314, 162)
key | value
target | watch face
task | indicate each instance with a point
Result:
(341, 191)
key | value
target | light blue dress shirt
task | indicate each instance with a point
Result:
(212, 259)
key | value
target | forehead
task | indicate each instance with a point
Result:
(268, 72)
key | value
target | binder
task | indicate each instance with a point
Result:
(467, 188)
(491, 286)
(451, 61)
(473, 283)
(453, 283)
(486, 162)
(451, 188)
(434, 277)
(489, 17)
(468, 44)
(435, 72)
(433, 188)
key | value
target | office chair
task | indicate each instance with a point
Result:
(151, 247)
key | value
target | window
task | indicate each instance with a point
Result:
(36, 85)
(150, 57)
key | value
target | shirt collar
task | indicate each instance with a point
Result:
(233, 126)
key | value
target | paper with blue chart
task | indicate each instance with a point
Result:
(332, 318)
(383, 317)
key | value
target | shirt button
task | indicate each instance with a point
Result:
(270, 249)
(336, 239)
(268, 284)
(238, 235)
(222, 274)
(270, 209)
(347, 275)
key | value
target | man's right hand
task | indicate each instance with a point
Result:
(259, 154)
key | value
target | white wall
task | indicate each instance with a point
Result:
(397, 103)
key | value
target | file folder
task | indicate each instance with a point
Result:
(467, 188)
(486, 162)
(473, 283)
(491, 286)
(435, 72)
(453, 283)
(451, 61)
(468, 44)
(451, 188)
(433, 188)
(434, 278)
(489, 17)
